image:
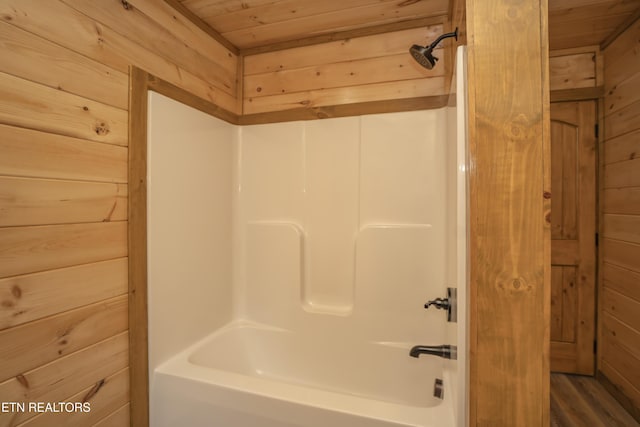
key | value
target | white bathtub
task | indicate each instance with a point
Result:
(252, 375)
(289, 289)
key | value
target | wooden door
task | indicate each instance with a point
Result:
(573, 236)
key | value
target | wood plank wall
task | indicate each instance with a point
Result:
(619, 343)
(63, 189)
(577, 68)
(363, 69)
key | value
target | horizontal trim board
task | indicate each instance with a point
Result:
(34, 296)
(579, 94)
(376, 92)
(174, 92)
(343, 110)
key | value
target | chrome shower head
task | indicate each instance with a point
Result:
(424, 54)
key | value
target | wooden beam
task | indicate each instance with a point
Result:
(508, 77)
(580, 94)
(137, 241)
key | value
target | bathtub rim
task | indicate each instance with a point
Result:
(180, 366)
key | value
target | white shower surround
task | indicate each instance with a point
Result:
(288, 265)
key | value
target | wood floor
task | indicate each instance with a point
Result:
(578, 401)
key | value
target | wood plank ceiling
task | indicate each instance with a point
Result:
(254, 23)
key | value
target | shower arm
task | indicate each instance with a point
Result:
(442, 37)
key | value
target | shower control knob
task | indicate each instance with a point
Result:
(439, 303)
(449, 304)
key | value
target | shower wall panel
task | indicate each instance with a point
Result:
(343, 217)
(189, 225)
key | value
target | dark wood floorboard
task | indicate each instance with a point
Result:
(579, 401)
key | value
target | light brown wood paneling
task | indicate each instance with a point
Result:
(109, 46)
(571, 70)
(28, 201)
(218, 70)
(259, 23)
(63, 186)
(34, 296)
(509, 251)
(60, 335)
(26, 55)
(119, 418)
(623, 308)
(364, 69)
(615, 330)
(622, 174)
(34, 106)
(622, 280)
(622, 200)
(64, 377)
(574, 23)
(619, 345)
(624, 147)
(106, 397)
(36, 248)
(36, 154)
(622, 227)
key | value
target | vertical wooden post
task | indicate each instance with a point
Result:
(510, 199)
(137, 236)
